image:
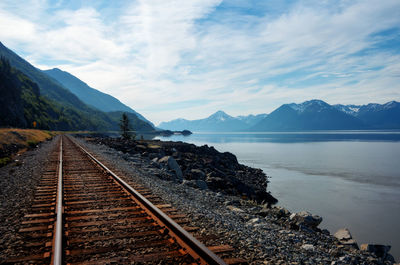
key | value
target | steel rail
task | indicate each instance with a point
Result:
(57, 243)
(192, 245)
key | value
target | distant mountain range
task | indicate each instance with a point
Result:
(309, 115)
(68, 96)
(219, 121)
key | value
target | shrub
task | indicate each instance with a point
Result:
(4, 161)
(32, 144)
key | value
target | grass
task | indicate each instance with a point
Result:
(24, 138)
(4, 161)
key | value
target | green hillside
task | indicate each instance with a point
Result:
(56, 106)
(21, 104)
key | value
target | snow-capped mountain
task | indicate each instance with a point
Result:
(251, 119)
(309, 115)
(219, 117)
(217, 122)
(349, 109)
(311, 105)
(376, 116)
(381, 116)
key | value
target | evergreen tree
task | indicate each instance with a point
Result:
(126, 130)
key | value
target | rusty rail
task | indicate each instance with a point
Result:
(192, 245)
(57, 246)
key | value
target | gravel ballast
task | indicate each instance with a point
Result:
(18, 181)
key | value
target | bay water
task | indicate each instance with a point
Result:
(350, 178)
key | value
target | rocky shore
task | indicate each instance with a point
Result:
(259, 233)
(199, 167)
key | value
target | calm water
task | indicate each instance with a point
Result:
(351, 178)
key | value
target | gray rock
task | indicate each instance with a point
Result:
(201, 184)
(235, 209)
(381, 251)
(280, 212)
(263, 212)
(198, 174)
(305, 219)
(345, 238)
(343, 234)
(196, 183)
(253, 221)
(308, 247)
(173, 165)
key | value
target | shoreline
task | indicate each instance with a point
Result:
(259, 234)
(275, 215)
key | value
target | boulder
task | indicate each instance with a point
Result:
(197, 174)
(280, 212)
(173, 165)
(216, 183)
(381, 251)
(196, 183)
(345, 238)
(201, 184)
(263, 212)
(305, 219)
(343, 234)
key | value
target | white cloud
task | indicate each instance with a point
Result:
(163, 52)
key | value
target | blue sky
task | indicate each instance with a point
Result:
(190, 58)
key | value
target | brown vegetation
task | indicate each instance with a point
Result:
(14, 140)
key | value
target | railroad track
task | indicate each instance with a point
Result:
(85, 214)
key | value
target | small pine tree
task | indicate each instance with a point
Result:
(125, 127)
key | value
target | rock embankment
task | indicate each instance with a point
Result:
(258, 233)
(199, 167)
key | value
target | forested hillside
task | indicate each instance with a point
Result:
(22, 105)
(28, 95)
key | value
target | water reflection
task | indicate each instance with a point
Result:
(286, 137)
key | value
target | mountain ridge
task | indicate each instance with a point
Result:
(86, 117)
(91, 96)
(313, 114)
(219, 121)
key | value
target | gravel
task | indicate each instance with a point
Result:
(18, 181)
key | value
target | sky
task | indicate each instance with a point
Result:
(190, 58)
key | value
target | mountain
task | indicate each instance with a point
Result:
(309, 115)
(21, 104)
(376, 116)
(48, 86)
(349, 109)
(251, 119)
(217, 122)
(84, 117)
(136, 123)
(89, 95)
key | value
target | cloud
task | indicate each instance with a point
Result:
(243, 59)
